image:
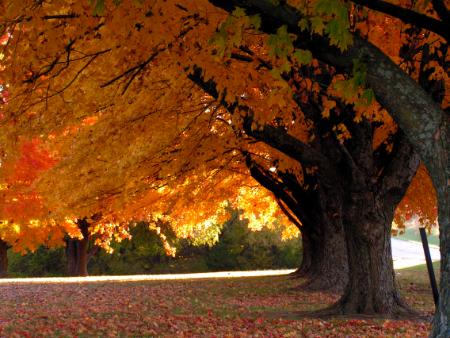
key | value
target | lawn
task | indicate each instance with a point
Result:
(225, 307)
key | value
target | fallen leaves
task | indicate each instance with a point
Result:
(244, 307)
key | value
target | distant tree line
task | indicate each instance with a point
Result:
(238, 248)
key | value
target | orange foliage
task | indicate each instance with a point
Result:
(137, 140)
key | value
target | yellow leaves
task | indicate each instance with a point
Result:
(327, 106)
(342, 133)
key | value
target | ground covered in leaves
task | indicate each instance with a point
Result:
(238, 307)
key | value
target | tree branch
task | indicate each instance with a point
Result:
(289, 214)
(60, 16)
(277, 189)
(276, 137)
(408, 16)
(441, 10)
(410, 106)
(398, 173)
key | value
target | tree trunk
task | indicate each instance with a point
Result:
(305, 262)
(71, 256)
(82, 256)
(77, 251)
(328, 268)
(82, 248)
(372, 288)
(441, 321)
(3, 259)
(441, 180)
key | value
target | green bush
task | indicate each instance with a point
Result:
(43, 262)
(238, 248)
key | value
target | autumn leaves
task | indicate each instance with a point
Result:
(185, 103)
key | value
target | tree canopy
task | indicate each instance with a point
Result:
(144, 107)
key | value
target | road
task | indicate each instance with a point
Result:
(408, 253)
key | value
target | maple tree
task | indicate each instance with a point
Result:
(424, 123)
(179, 41)
(24, 221)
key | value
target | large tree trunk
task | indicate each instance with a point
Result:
(372, 288)
(441, 180)
(307, 253)
(3, 258)
(82, 248)
(77, 251)
(328, 267)
(71, 256)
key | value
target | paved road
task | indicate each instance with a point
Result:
(408, 253)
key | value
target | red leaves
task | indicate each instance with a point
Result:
(244, 307)
(33, 160)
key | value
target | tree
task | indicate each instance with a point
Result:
(425, 125)
(24, 224)
(173, 42)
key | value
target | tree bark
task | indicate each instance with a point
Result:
(372, 287)
(440, 172)
(82, 257)
(77, 252)
(3, 258)
(71, 256)
(325, 259)
(327, 269)
(307, 253)
(82, 248)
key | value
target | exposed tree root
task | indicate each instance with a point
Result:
(399, 310)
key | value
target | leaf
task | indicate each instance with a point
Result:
(98, 7)
(238, 13)
(281, 43)
(255, 21)
(303, 24)
(317, 25)
(304, 57)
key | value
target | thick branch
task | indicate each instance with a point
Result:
(441, 10)
(277, 189)
(276, 137)
(410, 106)
(408, 16)
(288, 213)
(398, 173)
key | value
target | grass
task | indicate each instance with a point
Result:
(238, 307)
(411, 234)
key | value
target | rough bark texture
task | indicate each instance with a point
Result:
(368, 212)
(307, 253)
(440, 172)
(326, 265)
(3, 258)
(372, 288)
(324, 262)
(329, 266)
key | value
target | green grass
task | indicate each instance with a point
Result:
(413, 235)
